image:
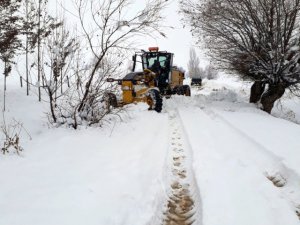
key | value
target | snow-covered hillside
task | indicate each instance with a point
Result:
(238, 164)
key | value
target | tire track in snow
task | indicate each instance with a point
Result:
(183, 205)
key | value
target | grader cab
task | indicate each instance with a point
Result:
(158, 78)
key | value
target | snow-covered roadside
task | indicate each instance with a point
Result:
(91, 176)
(230, 174)
(288, 108)
(237, 147)
(229, 101)
(234, 90)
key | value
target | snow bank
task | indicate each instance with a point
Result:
(112, 175)
(223, 95)
(288, 108)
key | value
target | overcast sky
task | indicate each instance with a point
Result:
(178, 41)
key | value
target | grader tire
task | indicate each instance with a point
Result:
(155, 100)
(186, 90)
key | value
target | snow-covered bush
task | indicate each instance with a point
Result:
(66, 82)
(95, 109)
(11, 134)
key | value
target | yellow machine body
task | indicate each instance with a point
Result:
(177, 78)
(127, 88)
(158, 78)
(137, 92)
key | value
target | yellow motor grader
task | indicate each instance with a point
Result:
(158, 78)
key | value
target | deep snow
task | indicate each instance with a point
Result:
(119, 174)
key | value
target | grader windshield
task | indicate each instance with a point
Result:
(157, 61)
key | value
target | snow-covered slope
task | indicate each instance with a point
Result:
(109, 175)
(242, 164)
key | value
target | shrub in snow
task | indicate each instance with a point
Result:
(11, 136)
(92, 113)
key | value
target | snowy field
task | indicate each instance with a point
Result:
(243, 163)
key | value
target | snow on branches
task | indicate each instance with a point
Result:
(259, 39)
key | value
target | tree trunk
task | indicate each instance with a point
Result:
(39, 50)
(274, 93)
(257, 89)
(89, 83)
(21, 81)
(52, 105)
(4, 93)
(27, 52)
(61, 81)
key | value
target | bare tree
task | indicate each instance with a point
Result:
(193, 65)
(10, 29)
(259, 39)
(37, 27)
(109, 31)
(45, 26)
(26, 27)
(65, 73)
(113, 30)
(66, 105)
(29, 24)
(60, 52)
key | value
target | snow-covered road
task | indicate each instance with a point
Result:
(225, 161)
(237, 150)
(183, 206)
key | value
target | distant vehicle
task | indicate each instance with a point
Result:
(196, 82)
